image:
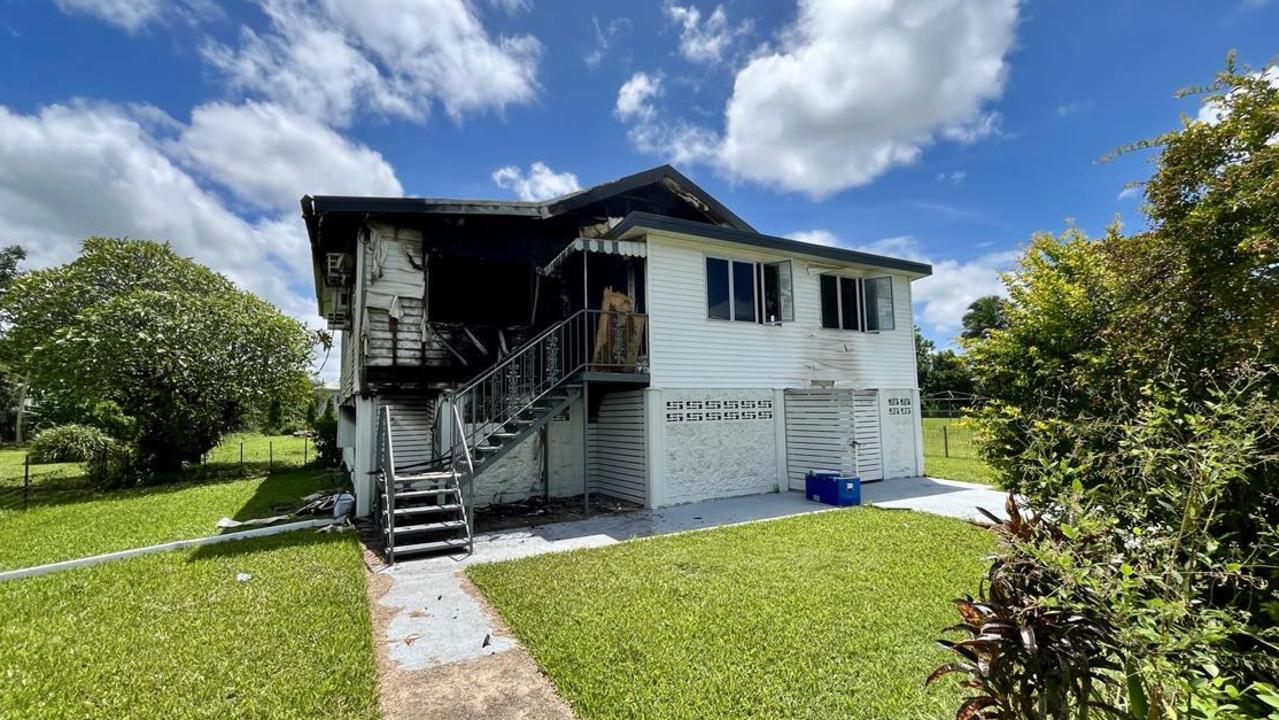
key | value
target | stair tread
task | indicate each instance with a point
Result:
(414, 477)
(427, 527)
(430, 546)
(425, 509)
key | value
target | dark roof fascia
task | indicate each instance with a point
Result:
(317, 204)
(409, 205)
(560, 205)
(649, 221)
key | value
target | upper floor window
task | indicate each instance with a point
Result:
(864, 304)
(749, 291)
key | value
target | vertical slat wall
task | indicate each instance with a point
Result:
(817, 432)
(869, 443)
(820, 423)
(412, 428)
(617, 452)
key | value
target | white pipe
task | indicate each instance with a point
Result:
(162, 547)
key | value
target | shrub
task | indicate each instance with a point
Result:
(327, 451)
(68, 443)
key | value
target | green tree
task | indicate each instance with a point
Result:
(1134, 394)
(923, 357)
(184, 354)
(984, 314)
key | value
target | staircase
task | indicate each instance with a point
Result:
(425, 505)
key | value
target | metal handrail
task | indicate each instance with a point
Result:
(602, 340)
(388, 480)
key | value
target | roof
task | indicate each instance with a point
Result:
(649, 221)
(665, 175)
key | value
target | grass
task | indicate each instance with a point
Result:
(951, 452)
(175, 636)
(65, 520)
(822, 616)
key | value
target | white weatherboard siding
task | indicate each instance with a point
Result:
(617, 453)
(394, 284)
(690, 350)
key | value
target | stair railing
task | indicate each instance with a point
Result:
(388, 479)
(597, 340)
(467, 515)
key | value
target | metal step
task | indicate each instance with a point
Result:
(418, 477)
(414, 494)
(402, 512)
(424, 509)
(429, 527)
(436, 546)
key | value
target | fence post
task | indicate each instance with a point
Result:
(945, 439)
(304, 439)
(26, 482)
(270, 455)
(241, 457)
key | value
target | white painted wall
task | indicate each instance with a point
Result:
(714, 447)
(690, 350)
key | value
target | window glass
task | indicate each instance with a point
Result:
(779, 297)
(850, 306)
(744, 291)
(830, 301)
(879, 303)
(717, 289)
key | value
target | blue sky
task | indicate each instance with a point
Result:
(948, 130)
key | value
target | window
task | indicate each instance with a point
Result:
(717, 293)
(864, 304)
(749, 292)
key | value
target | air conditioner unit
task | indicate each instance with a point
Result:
(337, 267)
(339, 308)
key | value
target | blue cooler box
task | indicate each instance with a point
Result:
(827, 486)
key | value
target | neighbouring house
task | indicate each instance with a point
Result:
(636, 340)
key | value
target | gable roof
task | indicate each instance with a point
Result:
(649, 221)
(664, 176)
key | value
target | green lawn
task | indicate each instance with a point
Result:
(830, 615)
(951, 452)
(175, 636)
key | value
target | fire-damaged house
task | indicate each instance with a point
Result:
(636, 340)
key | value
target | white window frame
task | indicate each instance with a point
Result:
(859, 282)
(757, 285)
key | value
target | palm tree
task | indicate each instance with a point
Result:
(985, 314)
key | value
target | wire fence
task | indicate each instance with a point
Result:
(950, 438)
(24, 484)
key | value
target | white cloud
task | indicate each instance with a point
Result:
(1212, 111)
(853, 90)
(1129, 191)
(942, 298)
(133, 15)
(635, 97)
(604, 37)
(816, 237)
(270, 157)
(395, 57)
(954, 177)
(707, 41)
(512, 7)
(541, 183)
(70, 171)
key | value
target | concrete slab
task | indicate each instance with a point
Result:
(950, 498)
